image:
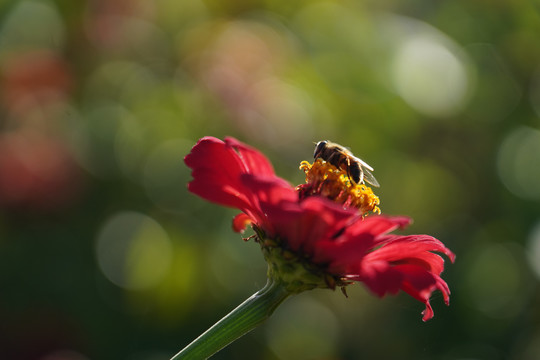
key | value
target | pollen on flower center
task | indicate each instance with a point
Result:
(324, 179)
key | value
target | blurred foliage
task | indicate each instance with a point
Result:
(105, 255)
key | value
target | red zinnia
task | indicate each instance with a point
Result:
(317, 234)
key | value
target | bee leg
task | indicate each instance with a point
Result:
(352, 171)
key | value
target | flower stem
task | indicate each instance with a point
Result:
(237, 323)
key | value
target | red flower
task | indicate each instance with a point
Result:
(333, 243)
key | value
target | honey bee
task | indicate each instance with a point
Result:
(339, 156)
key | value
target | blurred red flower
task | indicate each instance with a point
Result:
(336, 243)
(38, 173)
(34, 78)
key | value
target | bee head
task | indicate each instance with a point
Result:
(319, 148)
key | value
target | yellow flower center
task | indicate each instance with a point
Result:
(324, 179)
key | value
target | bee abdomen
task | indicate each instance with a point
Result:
(355, 171)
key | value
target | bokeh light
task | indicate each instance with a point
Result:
(533, 253)
(303, 329)
(32, 24)
(518, 160)
(496, 280)
(428, 69)
(133, 251)
(429, 76)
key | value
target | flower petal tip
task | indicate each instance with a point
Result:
(427, 313)
(240, 223)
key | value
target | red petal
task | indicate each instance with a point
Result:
(324, 219)
(269, 189)
(306, 223)
(342, 257)
(267, 192)
(414, 243)
(240, 222)
(254, 162)
(216, 173)
(377, 225)
(346, 252)
(420, 284)
(217, 170)
(381, 278)
(413, 249)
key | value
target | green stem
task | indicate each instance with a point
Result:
(237, 323)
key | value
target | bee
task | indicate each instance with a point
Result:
(341, 157)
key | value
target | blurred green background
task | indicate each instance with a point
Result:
(105, 255)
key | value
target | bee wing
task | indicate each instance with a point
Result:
(363, 163)
(369, 178)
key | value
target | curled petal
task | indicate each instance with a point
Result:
(407, 263)
(240, 222)
(413, 244)
(382, 278)
(216, 170)
(413, 249)
(420, 284)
